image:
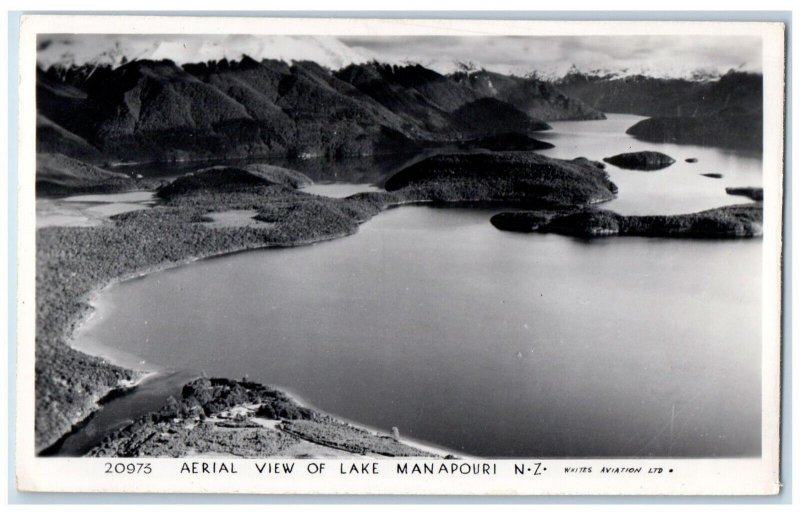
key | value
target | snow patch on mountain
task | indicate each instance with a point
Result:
(65, 51)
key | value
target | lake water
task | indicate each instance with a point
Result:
(678, 189)
(482, 341)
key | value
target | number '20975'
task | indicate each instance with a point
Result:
(128, 468)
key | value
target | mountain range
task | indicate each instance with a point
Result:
(726, 112)
(651, 96)
(157, 110)
(147, 110)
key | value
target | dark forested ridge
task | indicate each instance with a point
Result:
(725, 112)
(651, 96)
(159, 111)
(537, 98)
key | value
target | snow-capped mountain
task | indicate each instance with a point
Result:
(65, 51)
(112, 50)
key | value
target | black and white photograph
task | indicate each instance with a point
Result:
(438, 252)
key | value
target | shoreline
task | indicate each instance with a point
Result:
(90, 300)
(88, 303)
(244, 414)
(386, 201)
(277, 155)
(114, 393)
(140, 243)
(145, 374)
(411, 442)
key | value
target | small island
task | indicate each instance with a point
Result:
(752, 193)
(645, 160)
(511, 177)
(739, 221)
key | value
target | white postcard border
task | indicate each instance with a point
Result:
(752, 476)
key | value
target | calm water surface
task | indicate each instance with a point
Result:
(678, 189)
(486, 342)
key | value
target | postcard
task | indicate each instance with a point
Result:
(374, 256)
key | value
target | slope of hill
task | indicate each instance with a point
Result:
(57, 174)
(726, 112)
(649, 96)
(729, 130)
(53, 139)
(158, 111)
(537, 98)
(523, 178)
(421, 97)
(492, 116)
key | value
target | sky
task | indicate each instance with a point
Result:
(520, 55)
